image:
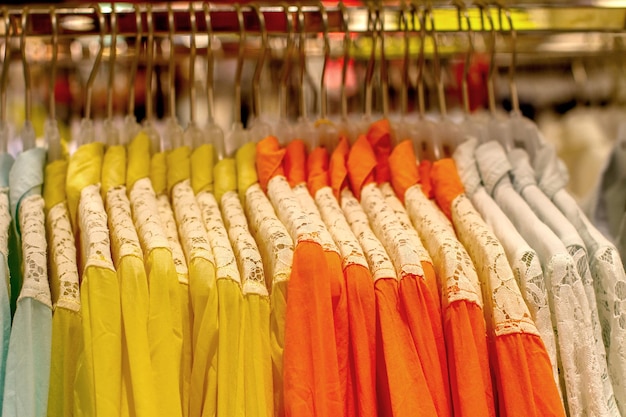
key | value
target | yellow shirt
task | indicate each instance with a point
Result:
(97, 389)
(202, 288)
(138, 390)
(164, 317)
(257, 362)
(64, 286)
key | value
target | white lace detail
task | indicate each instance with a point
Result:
(193, 235)
(94, 231)
(582, 372)
(225, 261)
(300, 224)
(34, 250)
(63, 256)
(335, 220)
(125, 241)
(390, 232)
(308, 205)
(510, 313)
(450, 259)
(379, 262)
(270, 233)
(402, 216)
(5, 222)
(579, 255)
(169, 225)
(146, 216)
(246, 250)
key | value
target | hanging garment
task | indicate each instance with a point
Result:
(294, 166)
(13, 256)
(523, 260)
(202, 289)
(158, 177)
(97, 390)
(6, 162)
(165, 319)
(312, 385)
(606, 269)
(524, 182)
(28, 357)
(464, 323)
(425, 318)
(230, 403)
(138, 390)
(359, 286)
(255, 347)
(396, 362)
(276, 247)
(64, 288)
(418, 396)
(572, 316)
(520, 363)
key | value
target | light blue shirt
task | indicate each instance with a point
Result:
(6, 161)
(28, 361)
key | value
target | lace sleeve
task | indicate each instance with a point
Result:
(123, 234)
(146, 216)
(169, 225)
(96, 243)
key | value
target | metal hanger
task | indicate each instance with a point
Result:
(148, 126)
(173, 136)
(131, 127)
(304, 129)
(51, 128)
(213, 133)
(238, 136)
(27, 135)
(87, 132)
(258, 129)
(372, 18)
(284, 128)
(4, 126)
(111, 132)
(193, 136)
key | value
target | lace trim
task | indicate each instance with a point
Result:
(96, 243)
(63, 256)
(169, 225)
(125, 241)
(335, 220)
(308, 205)
(226, 262)
(34, 250)
(270, 233)
(390, 232)
(451, 260)
(402, 216)
(510, 313)
(146, 216)
(379, 262)
(300, 224)
(5, 221)
(245, 248)
(193, 235)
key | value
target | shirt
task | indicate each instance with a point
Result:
(606, 269)
(64, 288)
(276, 247)
(257, 362)
(462, 303)
(312, 385)
(525, 184)
(202, 291)
(97, 388)
(523, 260)
(520, 363)
(6, 161)
(138, 391)
(165, 319)
(578, 359)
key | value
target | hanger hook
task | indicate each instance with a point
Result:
(404, 24)
(149, 61)
(369, 74)
(284, 77)
(5, 65)
(192, 63)
(209, 58)
(345, 19)
(53, 63)
(240, 58)
(323, 89)
(113, 54)
(301, 60)
(484, 11)
(133, 69)
(96, 65)
(256, 78)
(171, 63)
(384, 81)
(421, 64)
(27, 84)
(513, 65)
(438, 69)
(463, 15)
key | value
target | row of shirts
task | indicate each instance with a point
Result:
(441, 288)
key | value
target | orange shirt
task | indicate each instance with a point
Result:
(402, 381)
(312, 384)
(463, 321)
